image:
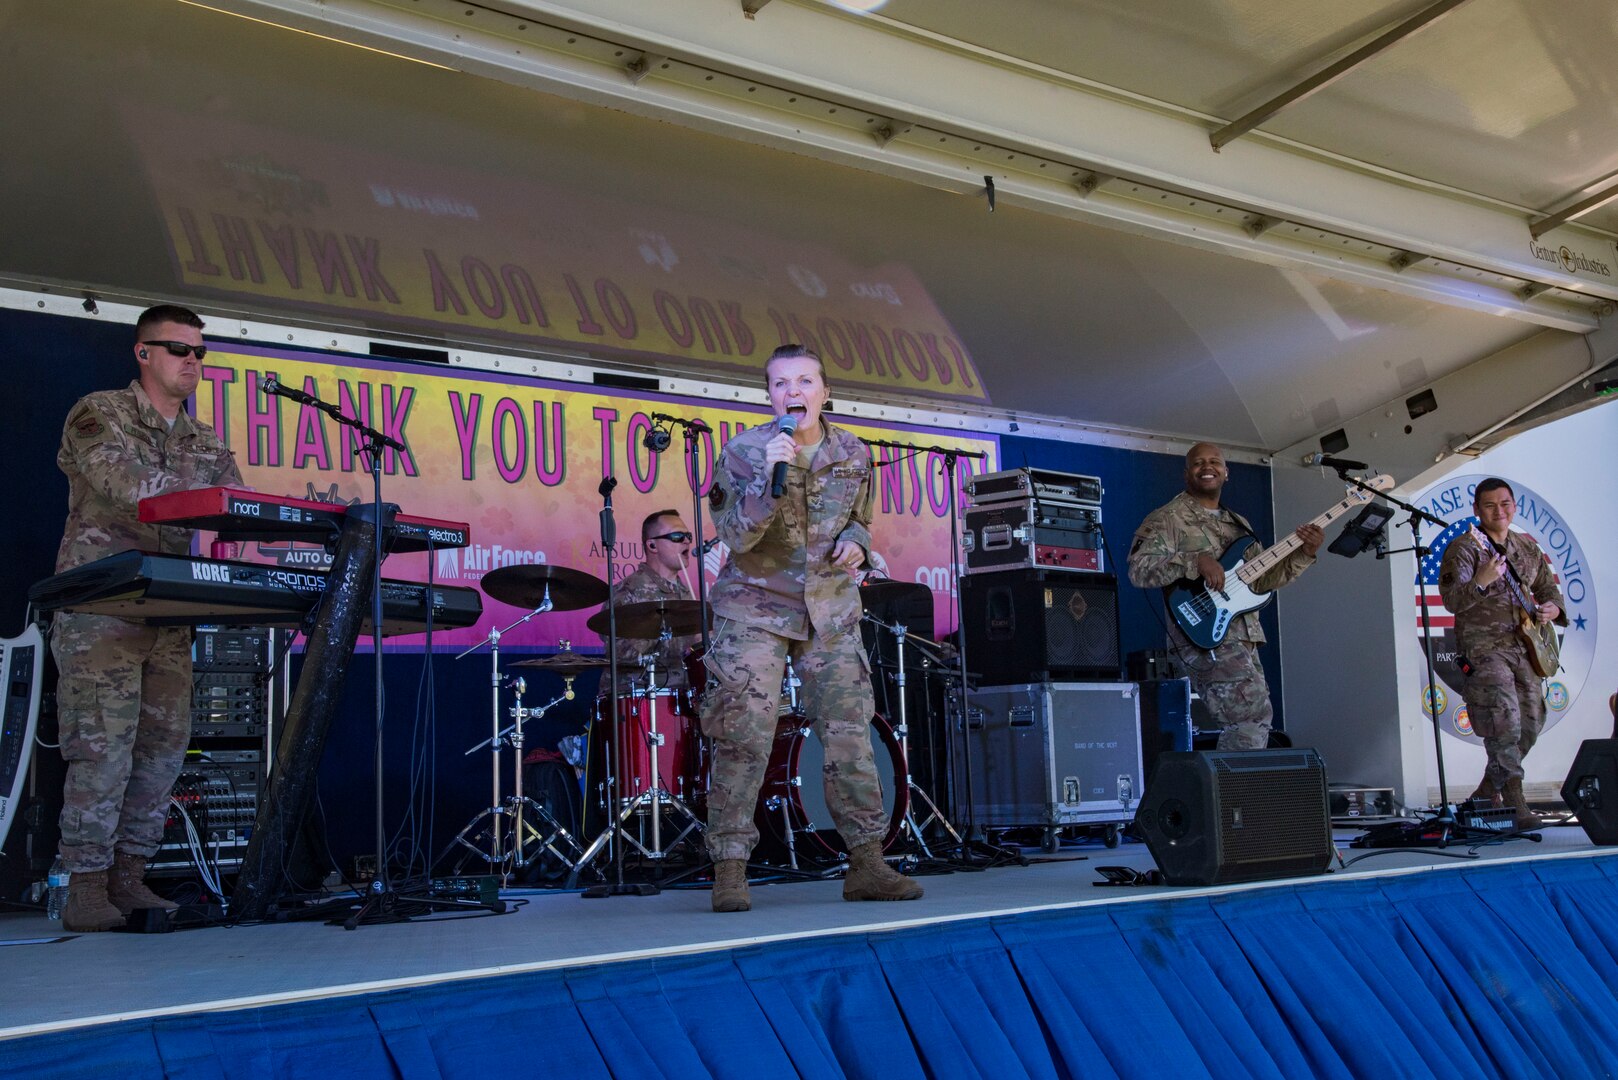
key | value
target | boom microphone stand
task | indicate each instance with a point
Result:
(616, 887)
(382, 902)
(699, 547)
(1440, 830)
(967, 852)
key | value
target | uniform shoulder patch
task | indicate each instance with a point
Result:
(86, 423)
(1448, 578)
(716, 498)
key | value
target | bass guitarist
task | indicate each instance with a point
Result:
(1505, 697)
(1184, 539)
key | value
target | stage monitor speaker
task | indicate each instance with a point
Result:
(1034, 625)
(1223, 816)
(1591, 789)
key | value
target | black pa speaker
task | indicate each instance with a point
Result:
(1035, 625)
(1221, 816)
(1591, 789)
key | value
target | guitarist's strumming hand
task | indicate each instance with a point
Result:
(1491, 572)
(1209, 569)
(1547, 612)
(1312, 536)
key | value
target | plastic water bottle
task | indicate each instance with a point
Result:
(56, 891)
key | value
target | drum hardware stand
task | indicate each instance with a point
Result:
(901, 634)
(655, 800)
(969, 853)
(512, 807)
(517, 806)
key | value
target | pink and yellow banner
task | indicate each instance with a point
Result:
(520, 461)
(269, 216)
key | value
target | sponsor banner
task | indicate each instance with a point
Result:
(269, 216)
(520, 461)
(1451, 499)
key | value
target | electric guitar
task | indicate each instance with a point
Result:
(1206, 614)
(1538, 639)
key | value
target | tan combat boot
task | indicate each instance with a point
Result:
(1487, 794)
(126, 886)
(1522, 818)
(730, 885)
(870, 878)
(87, 910)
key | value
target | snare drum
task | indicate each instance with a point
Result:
(670, 761)
(792, 814)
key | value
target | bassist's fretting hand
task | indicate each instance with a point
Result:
(1312, 536)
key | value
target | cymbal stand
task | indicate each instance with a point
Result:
(493, 642)
(901, 635)
(518, 806)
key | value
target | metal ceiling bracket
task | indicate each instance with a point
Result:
(1406, 259)
(751, 8)
(1331, 73)
(640, 67)
(1258, 224)
(1579, 209)
(890, 130)
(1090, 183)
(1532, 289)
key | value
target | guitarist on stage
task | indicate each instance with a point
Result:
(1184, 539)
(1505, 697)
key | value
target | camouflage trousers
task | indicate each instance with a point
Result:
(1506, 702)
(1231, 683)
(124, 705)
(739, 713)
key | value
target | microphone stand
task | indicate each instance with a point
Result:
(1441, 830)
(617, 887)
(383, 903)
(968, 852)
(693, 428)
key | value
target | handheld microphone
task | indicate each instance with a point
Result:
(778, 481)
(271, 385)
(1332, 462)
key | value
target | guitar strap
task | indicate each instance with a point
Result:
(1241, 523)
(1500, 549)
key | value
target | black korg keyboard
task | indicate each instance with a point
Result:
(179, 590)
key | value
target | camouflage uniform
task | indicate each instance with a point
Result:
(1504, 697)
(642, 586)
(777, 595)
(124, 698)
(1230, 679)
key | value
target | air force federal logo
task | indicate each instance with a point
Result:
(1451, 500)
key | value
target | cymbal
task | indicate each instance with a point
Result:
(885, 591)
(647, 619)
(566, 662)
(526, 586)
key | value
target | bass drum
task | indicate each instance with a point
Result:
(792, 815)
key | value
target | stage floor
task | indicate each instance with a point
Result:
(62, 981)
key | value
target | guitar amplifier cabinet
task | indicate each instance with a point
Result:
(1019, 533)
(1041, 625)
(1052, 754)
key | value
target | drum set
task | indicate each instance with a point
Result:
(645, 772)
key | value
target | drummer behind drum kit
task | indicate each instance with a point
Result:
(647, 769)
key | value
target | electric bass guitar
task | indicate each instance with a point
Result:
(1206, 614)
(1538, 639)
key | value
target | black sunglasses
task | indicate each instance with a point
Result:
(180, 348)
(677, 537)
